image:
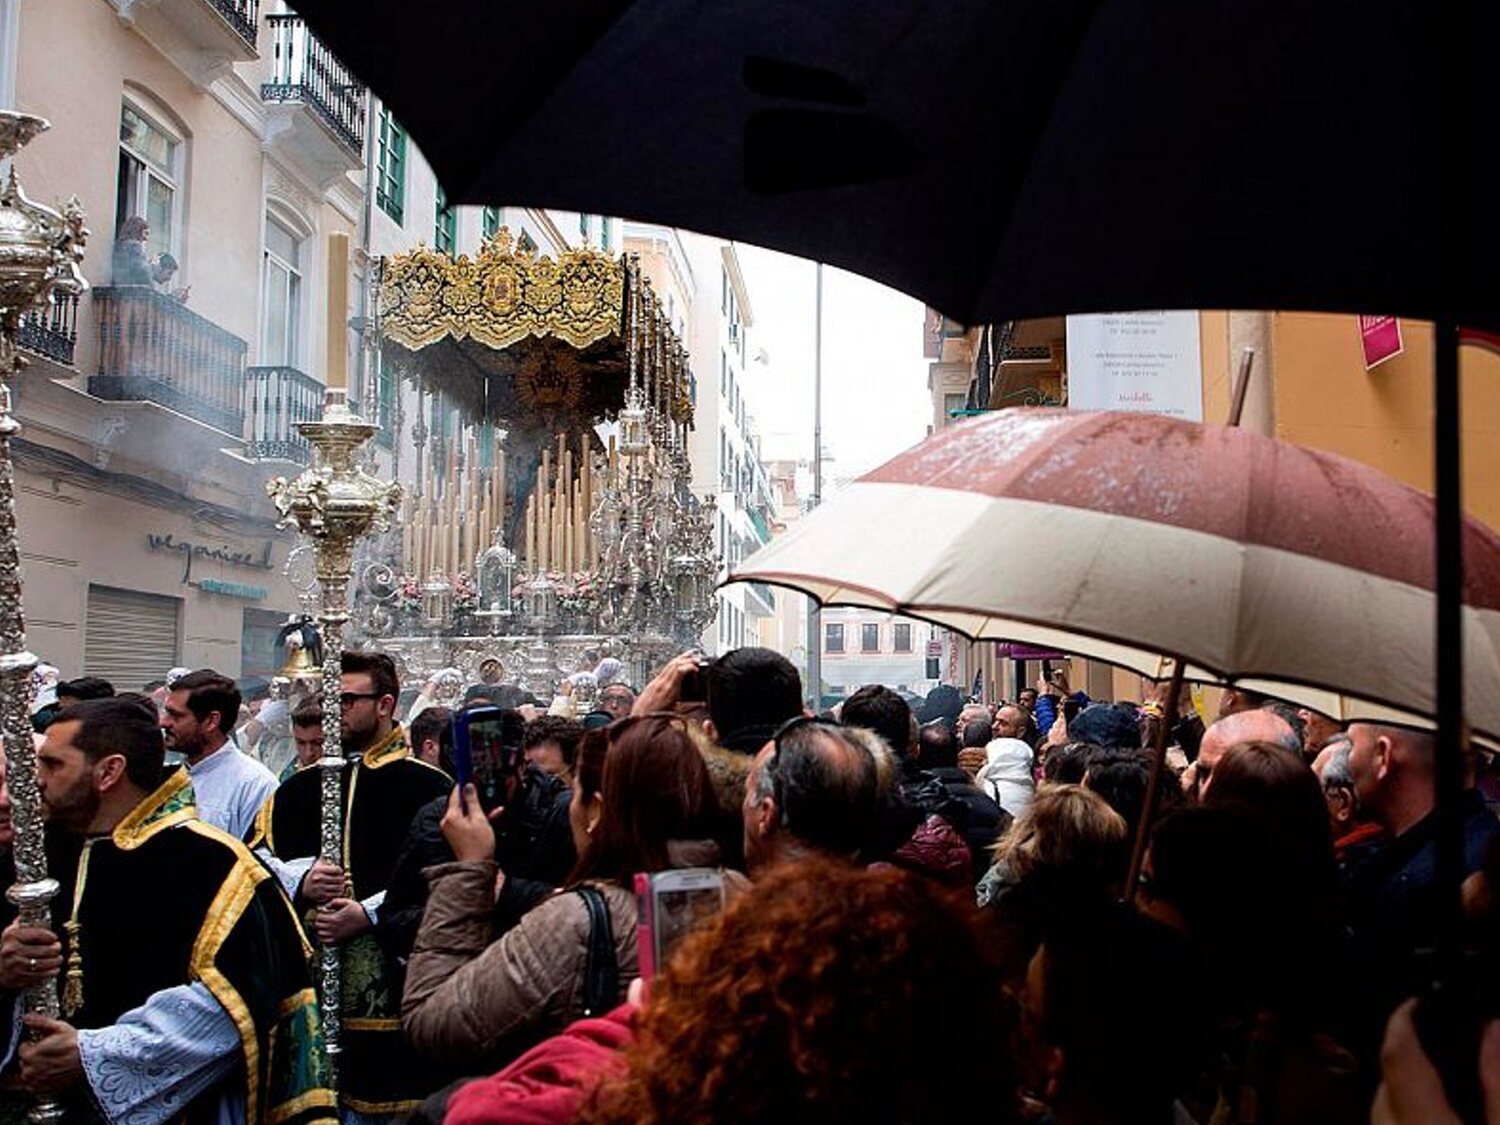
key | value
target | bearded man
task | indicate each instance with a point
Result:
(384, 787)
(186, 993)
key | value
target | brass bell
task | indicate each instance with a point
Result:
(300, 665)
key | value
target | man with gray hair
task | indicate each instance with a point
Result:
(811, 791)
(1352, 829)
(1254, 725)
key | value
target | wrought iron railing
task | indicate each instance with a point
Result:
(276, 399)
(152, 348)
(303, 70)
(53, 331)
(240, 15)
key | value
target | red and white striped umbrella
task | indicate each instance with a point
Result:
(1133, 537)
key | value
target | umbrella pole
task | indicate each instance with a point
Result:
(1451, 756)
(1158, 767)
(1241, 385)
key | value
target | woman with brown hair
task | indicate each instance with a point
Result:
(642, 802)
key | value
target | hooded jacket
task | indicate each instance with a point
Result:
(1006, 775)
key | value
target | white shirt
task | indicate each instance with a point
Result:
(230, 787)
(148, 1065)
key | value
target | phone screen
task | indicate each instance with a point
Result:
(672, 910)
(484, 740)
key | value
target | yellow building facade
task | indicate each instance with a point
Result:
(1309, 385)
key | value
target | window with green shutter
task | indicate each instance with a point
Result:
(490, 222)
(445, 225)
(390, 170)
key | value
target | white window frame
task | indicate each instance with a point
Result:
(296, 310)
(173, 181)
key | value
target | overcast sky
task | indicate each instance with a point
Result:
(875, 400)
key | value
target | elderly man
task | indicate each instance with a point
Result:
(810, 791)
(1351, 827)
(972, 712)
(1255, 725)
(615, 700)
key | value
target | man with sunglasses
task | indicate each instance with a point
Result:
(385, 787)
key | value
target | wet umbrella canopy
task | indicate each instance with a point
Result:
(1149, 537)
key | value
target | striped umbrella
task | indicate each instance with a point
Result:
(1132, 537)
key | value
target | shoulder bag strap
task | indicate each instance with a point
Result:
(601, 974)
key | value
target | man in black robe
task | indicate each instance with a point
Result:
(384, 786)
(186, 991)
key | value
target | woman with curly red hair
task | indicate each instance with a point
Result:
(828, 994)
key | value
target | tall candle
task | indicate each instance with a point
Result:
(337, 362)
(531, 534)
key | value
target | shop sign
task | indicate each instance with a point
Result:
(1142, 362)
(226, 554)
(1380, 337)
(232, 589)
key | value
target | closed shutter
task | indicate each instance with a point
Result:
(129, 638)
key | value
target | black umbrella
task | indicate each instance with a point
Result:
(1005, 158)
(995, 158)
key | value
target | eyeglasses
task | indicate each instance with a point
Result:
(350, 698)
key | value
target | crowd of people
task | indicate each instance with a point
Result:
(928, 912)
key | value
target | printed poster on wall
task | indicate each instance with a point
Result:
(1143, 362)
(1380, 337)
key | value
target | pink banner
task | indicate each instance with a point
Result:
(1381, 338)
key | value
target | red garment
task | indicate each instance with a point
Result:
(1361, 835)
(547, 1085)
(937, 851)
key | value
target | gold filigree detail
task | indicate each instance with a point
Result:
(549, 380)
(502, 296)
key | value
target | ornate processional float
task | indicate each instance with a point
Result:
(40, 252)
(550, 519)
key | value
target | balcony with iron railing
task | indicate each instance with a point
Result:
(204, 38)
(317, 105)
(276, 399)
(52, 332)
(152, 348)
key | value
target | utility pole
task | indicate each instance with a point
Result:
(814, 616)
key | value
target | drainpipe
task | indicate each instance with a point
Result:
(368, 406)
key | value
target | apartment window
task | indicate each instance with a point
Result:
(869, 638)
(445, 225)
(833, 638)
(390, 167)
(150, 167)
(385, 397)
(281, 296)
(901, 637)
(489, 222)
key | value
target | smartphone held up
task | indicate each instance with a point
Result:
(669, 904)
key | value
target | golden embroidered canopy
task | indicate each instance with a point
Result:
(511, 335)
